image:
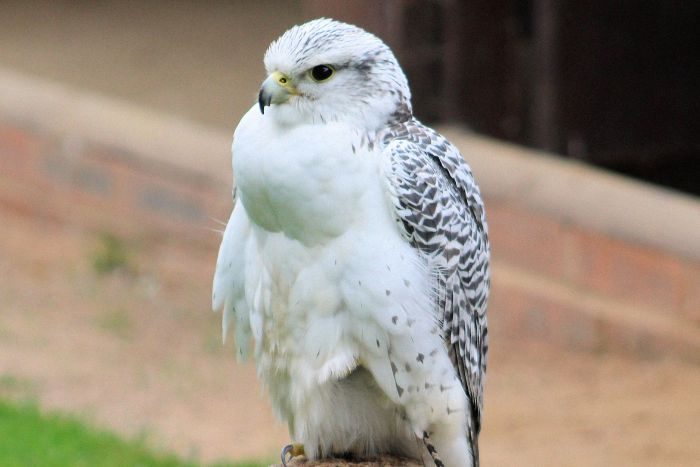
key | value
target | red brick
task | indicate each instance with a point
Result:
(523, 314)
(103, 188)
(633, 273)
(16, 140)
(578, 329)
(691, 293)
(19, 150)
(163, 198)
(511, 314)
(527, 239)
(645, 343)
(518, 313)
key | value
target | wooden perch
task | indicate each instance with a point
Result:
(381, 462)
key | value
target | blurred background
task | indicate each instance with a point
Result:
(579, 119)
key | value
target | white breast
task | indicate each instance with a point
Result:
(329, 284)
(306, 181)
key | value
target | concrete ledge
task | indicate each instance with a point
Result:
(75, 115)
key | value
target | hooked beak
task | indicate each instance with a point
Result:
(276, 89)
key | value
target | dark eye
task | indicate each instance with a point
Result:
(321, 72)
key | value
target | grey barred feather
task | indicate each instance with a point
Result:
(432, 451)
(440, 211)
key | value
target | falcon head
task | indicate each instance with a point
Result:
(328, 71)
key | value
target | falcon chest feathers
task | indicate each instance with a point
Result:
(356, 256)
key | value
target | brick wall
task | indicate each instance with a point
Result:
(85, 183)
(98, 164)
(580, 288)
(582, 259)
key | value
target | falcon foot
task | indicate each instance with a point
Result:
(431, 450)
(291, 450)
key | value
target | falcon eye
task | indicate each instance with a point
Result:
(321, 72)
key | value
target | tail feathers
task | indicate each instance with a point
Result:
(432, 451)
(475, 453)
(435, 456)
(473, 429)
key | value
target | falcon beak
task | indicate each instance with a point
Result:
(276, 89)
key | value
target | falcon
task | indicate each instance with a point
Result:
(356, 257)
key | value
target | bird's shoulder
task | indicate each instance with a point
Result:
(410, 146)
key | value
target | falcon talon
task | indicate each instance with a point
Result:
(286, 451)
(291, 450)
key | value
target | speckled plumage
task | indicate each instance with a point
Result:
(357, 257)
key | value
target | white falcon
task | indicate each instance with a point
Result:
(356, 256)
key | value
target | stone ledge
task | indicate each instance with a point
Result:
(77, 116)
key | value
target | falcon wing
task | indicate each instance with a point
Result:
(228, 287)
(440, 212)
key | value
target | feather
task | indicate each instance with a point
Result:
(427, 175)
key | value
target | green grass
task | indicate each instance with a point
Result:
(31, 438)
(116, 322)
(14, 387)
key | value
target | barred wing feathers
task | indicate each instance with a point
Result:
(440, 212)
